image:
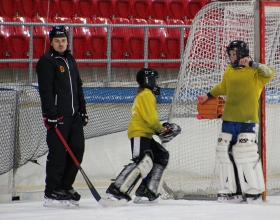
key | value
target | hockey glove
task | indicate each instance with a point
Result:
(169, 131)
(84, 116)
(50, 122)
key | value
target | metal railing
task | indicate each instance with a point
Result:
(30, 60)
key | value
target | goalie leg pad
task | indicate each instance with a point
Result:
(248, 162)
(145, 165)
(157, 178)
(227, 176)
(131, 176)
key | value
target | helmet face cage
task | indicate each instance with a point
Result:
(240, 47)
(148, 78)
(58, 31)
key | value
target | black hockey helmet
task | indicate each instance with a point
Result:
(147, 77)
(58, 31)
(240, 47)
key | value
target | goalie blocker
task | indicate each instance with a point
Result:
(170, 131)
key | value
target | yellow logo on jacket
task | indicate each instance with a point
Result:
(62, 69)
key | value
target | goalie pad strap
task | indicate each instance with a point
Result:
(157, 176)
(227, 176)
(247, 159)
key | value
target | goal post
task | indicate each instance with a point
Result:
(193, 171)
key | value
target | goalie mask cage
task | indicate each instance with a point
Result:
(193, 171)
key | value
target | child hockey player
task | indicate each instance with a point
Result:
(241, 172)
(149, 157)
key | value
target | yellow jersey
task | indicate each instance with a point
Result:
(144, 121)
(242, 88)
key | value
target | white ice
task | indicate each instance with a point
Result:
(89, 209)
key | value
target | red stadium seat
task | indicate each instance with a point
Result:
(41, 42)
(123, 8)
(85, 8)
(156, 45)
(81, 38)
(136, 43)
(104, 8)
(177, 9)
(26, 7)
(172, 48)
(47, 8)
(194, 6)
(159, 9)
(98, 41)
(7, 9)
(5, 32)
(140, 8)
(119, 41)
(20, 37)
(58, 19)
(66, 8)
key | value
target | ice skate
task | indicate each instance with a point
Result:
(57, 198)
(114, 197)
(230, 198)
(74, 196)
(253, 198)
(145, 195)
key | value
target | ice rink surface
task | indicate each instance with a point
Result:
(89, 209)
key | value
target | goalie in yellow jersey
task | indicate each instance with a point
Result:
(144, 176)
(241, 173)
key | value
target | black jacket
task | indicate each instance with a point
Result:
(60, 85)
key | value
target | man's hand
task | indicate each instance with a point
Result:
(84, 116)
(50, 122)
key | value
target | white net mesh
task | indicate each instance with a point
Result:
(193, 170)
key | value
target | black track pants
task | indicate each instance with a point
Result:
(61, 171)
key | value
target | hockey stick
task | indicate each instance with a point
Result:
(90, 186)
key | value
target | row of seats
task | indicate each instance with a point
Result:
(156, 9)
(91, 43)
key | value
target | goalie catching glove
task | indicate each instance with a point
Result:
(169, 131)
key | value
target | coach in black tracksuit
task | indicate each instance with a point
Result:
(63, 105)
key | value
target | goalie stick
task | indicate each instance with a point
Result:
(90, 186)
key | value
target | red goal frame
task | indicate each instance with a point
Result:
(262, 5)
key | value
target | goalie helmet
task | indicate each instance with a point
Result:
(58, 31)
(147, 77)
(241, 49)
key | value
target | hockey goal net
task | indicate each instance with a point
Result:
(193, 171)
